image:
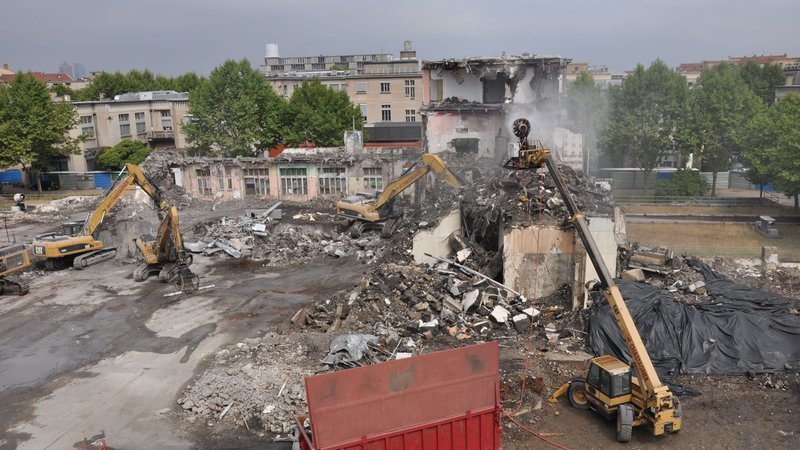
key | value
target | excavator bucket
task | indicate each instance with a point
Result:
(557, 394)
(187, 281)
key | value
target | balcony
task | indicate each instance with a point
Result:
(158, 135)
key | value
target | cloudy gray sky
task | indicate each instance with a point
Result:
(175, 36)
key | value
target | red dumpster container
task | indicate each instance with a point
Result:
(446, 400)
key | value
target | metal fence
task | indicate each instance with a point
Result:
(726, 201)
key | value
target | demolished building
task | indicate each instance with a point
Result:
(472, 102)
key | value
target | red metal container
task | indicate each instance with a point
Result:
(446, 400)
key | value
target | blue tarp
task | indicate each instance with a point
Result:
(11, 177)
(102, 180)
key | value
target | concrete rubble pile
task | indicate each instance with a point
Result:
(258, 379)
(257, 236)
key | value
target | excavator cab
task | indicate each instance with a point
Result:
(72, 228)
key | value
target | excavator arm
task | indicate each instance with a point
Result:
(655, 393)
(112, 196)
(419, 169)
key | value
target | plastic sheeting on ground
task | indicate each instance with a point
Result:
(740, 330)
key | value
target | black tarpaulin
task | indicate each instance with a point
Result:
(740, 330)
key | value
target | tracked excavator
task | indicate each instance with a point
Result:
(78, 243)
(165, 255)
(609, 388)
(13, 258)
(364, 212)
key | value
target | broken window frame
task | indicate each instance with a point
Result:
(294, 180)
(166, 120)
(332, 181)
(204, 182)
(87, 126)
(373, 178)
(256, 181)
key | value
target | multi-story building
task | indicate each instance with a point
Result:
(603, 77)
(470, 104)
(387, 90)
(154, 118)
(792, 83)
(692, 71)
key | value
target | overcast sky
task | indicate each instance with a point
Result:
(176, 36)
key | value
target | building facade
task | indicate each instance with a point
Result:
(387, 90)
(154, 118)
(295, 174)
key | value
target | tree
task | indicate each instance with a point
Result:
(318, 114)
(108, 85)
(33, 129)
(587, 109)
(722, 108)
(786, 147)
(116, 157)
(647, 115)
(759, 153)
(762, 79)
(235, 113)
(683, 183)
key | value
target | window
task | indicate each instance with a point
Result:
(411, 115)
(87, 126)
(621, 384)
(386, 113)
(361, 87)
(256, 181)
(124, 125)
(229, 178)
(298, 66)
(332, 181)
(318, 66)
(294, 181)
(166, 121)
(605, 382)
(594, 375)
(334, 87)
(274, 68)
(385, 88)
(410, 89)
(140, 124)
(203, 181)
(373, 178)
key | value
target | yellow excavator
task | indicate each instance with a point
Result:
(78, 243)
(609, 387)
(13, 258)
(364, 212)
(164, 254)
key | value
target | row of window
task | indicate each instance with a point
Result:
(294, 181)
(386, 113)
(329, 59)
(386, 88)
(87, 123)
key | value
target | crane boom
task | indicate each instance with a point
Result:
(429, 163)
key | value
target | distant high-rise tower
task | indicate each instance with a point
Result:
(66, 68)
(78, 70)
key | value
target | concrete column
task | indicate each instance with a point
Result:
(769, 258)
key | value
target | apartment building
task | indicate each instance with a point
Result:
(387, 90)
(155, 118)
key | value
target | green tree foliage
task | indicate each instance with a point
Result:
(647, 116)
(762, 80)
(108, 85)
(773, 151)
(318, 114)
(722, 108)
(116, 157)
(235, 113)
(684, 183)
(587, 108)
(33, 129)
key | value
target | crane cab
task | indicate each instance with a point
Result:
(72, 228)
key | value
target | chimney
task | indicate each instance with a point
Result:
(5, 66)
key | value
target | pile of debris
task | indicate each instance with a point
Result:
(395, 301)
(257, 235)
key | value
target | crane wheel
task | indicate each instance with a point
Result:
(577, 394)
(624, 423)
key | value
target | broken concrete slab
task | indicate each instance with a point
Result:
(522, 322)
(451, 304)
(500, 314)
(468, 302)
(633, 274)
(194, 247)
